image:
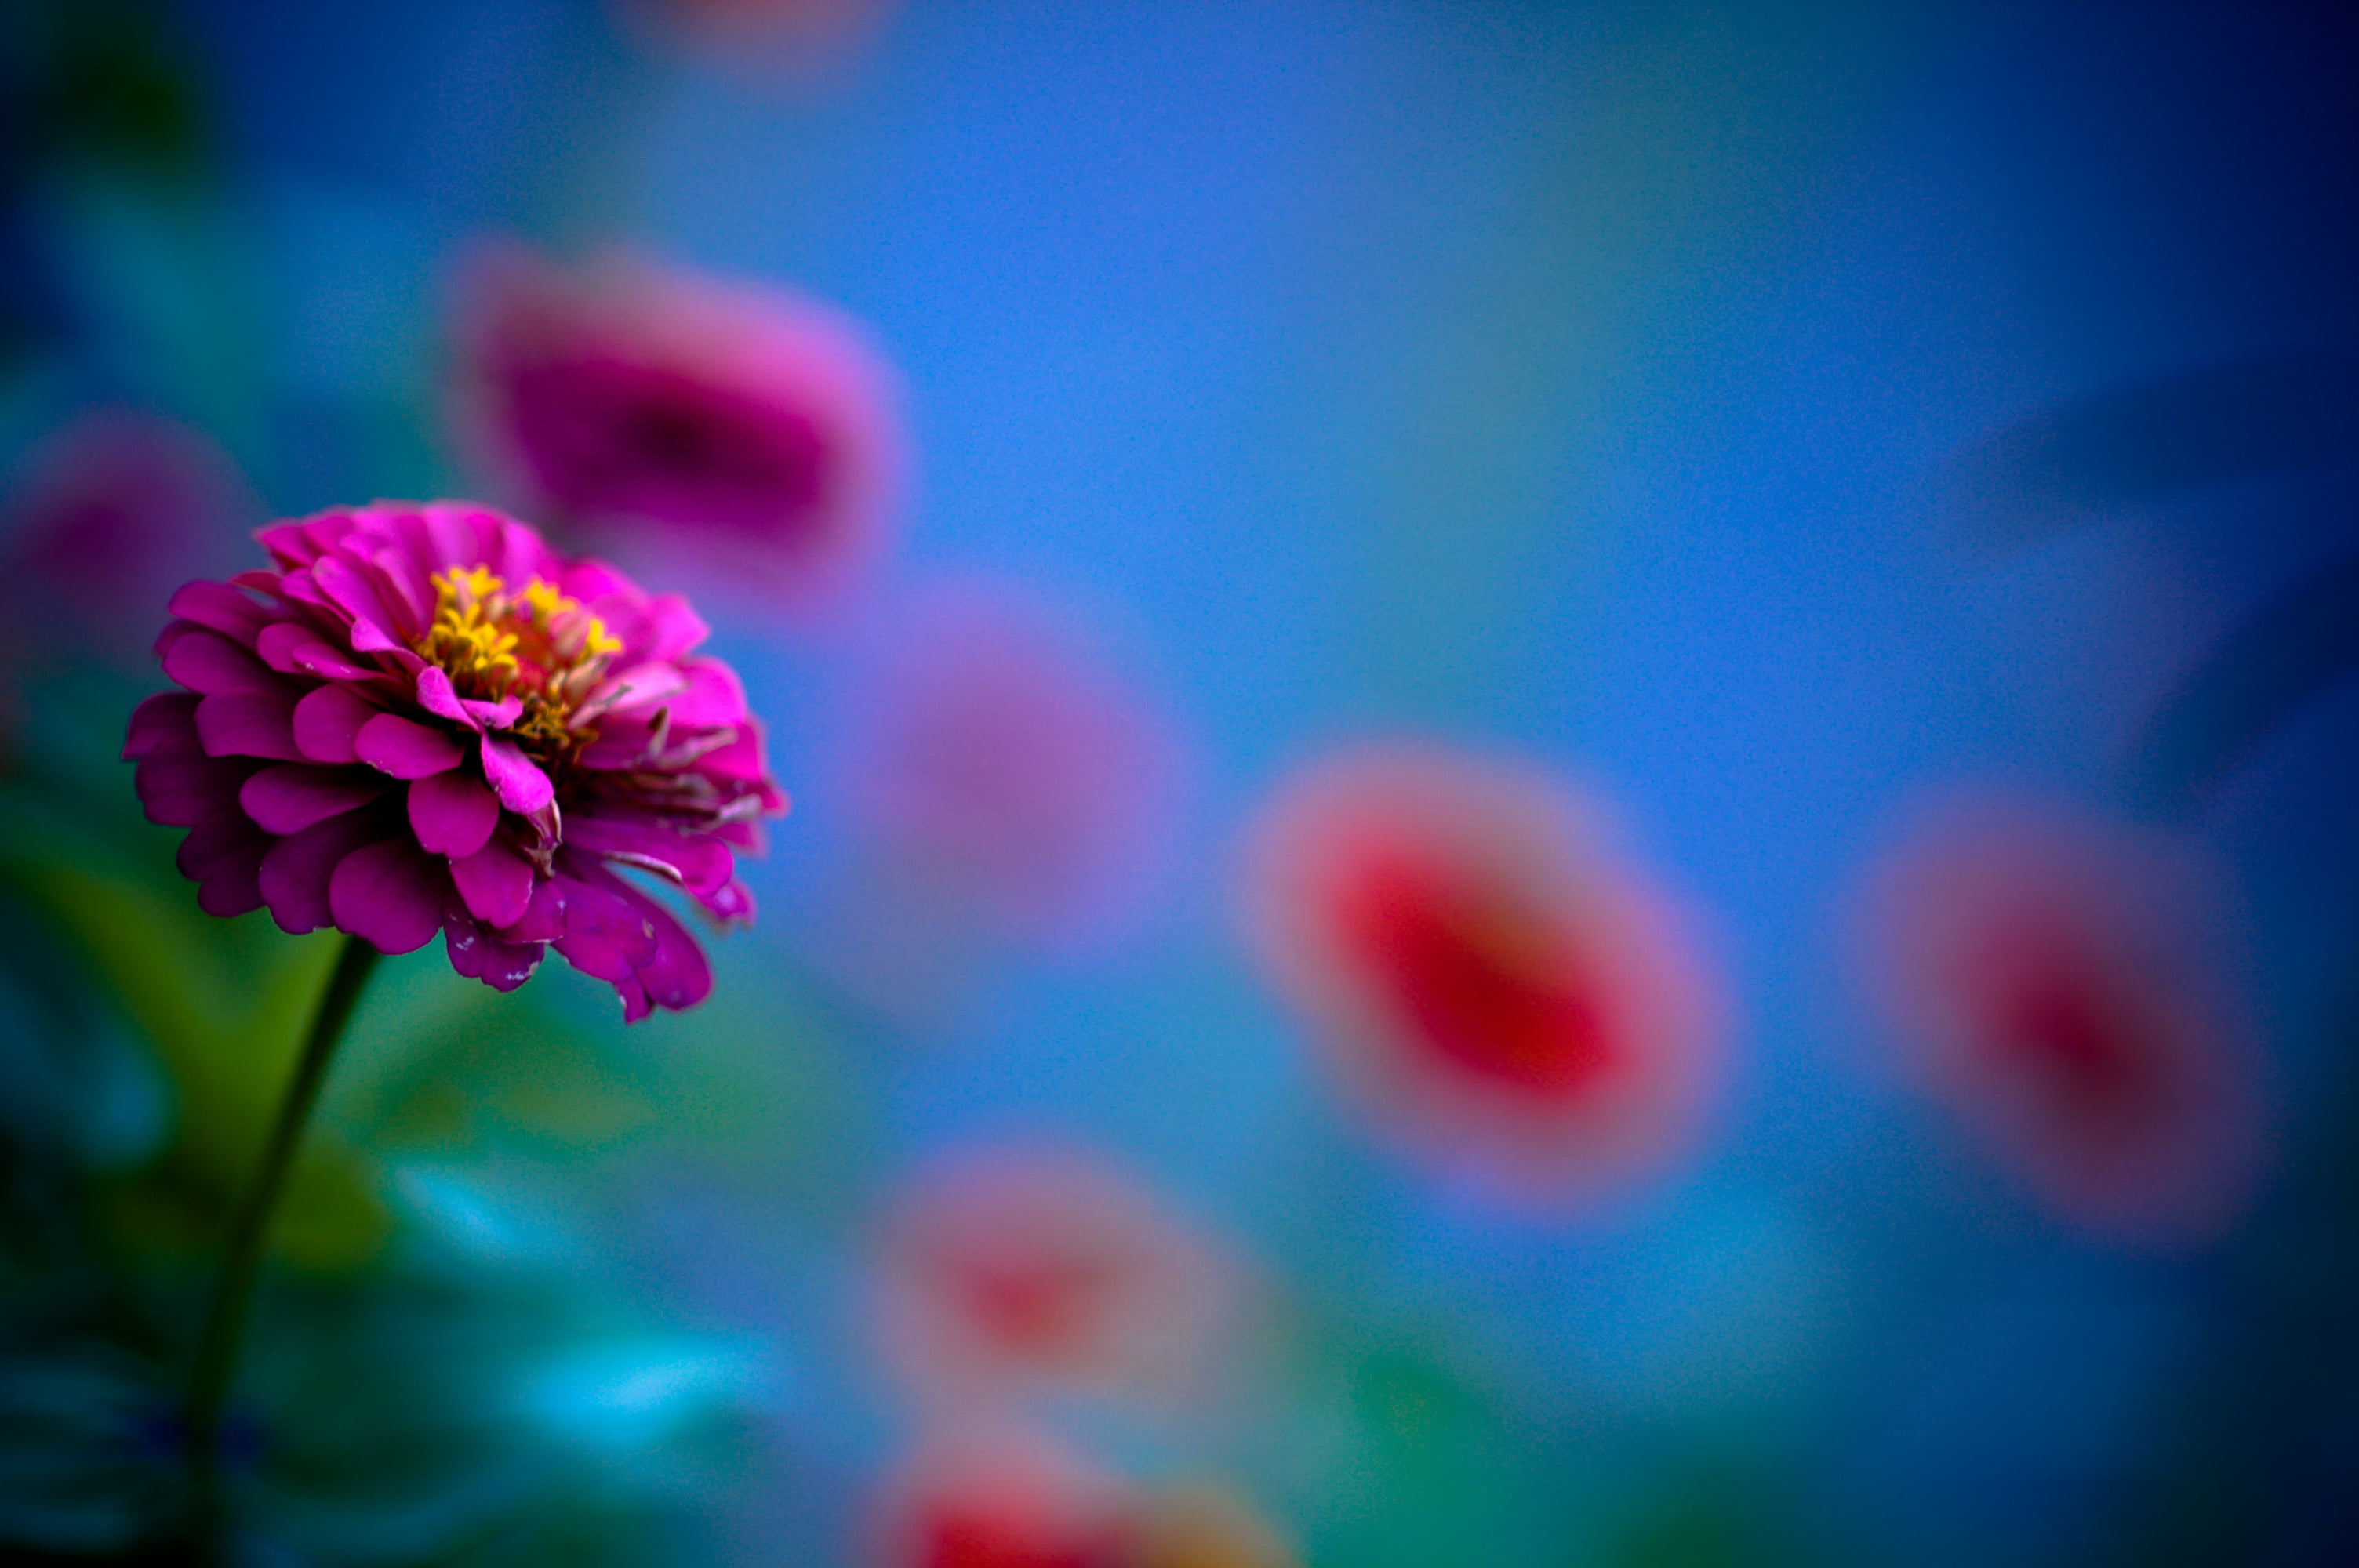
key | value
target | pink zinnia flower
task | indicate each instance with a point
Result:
(742, 427)
(423, 719)
(1006, 1497)
(2058, 982)
(1010, 773)
(1008, 1266)
(1514, 1000)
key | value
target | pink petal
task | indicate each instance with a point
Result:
(660, 628)
(304, 589)
(641, 688)
(514, 551)
(605, 937)
(232, 890)
(496, 881)
(544, 917)
(295, 872)
(455, 535)
(480, 956)
(287, 545)
(219, 843)
(390, 895)
(498, 715)
(441, 699)
(320, 659)
(713, 697)
(731, 901)
(248, 724)
(695, 862)
(590, 580)
(452, 813)
(635, 997)
(167, 716)
(374, 627)
(678, 976)
(172, 633)
(745, 836)
(221, 608)
(328, 721)
(291, 797)
(523, 787)
(207, 662)
(274, 641)
(395, 745)
(404, 589)
(221, 855)
(740, 762)
(437, 696)
(180, 786)
(621, 745)
(289, 646)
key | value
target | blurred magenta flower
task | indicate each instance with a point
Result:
(800, 38)
(423, 719)
(111, 511)
(1010, 1267)
(746, 431)
(1003, 769)
(2061, 985)
(1005, 1496)
(1509, 997)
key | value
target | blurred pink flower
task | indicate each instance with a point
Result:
(794, 34)
(1511, 999)
(670, 415)
(1005, 770)
(110, 513)
(1002, 1497)
(423, 719)
(1008, 1267)
(2060, 985)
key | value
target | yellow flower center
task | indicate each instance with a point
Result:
(540, 646)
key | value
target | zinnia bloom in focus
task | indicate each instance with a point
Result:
(1011, 1266)
(423, 719)
(1515, 1001)
(659, 412)
(1006, 1497)
(2059, 983)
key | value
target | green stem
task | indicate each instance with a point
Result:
(225, 1326)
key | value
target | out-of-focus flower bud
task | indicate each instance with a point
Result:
(1501, 989)
(2058, 982)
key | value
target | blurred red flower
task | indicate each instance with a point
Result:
(1004, 1497)
(1008, 1267)
(1505, 993)
(672, 417)
(2059, 983)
